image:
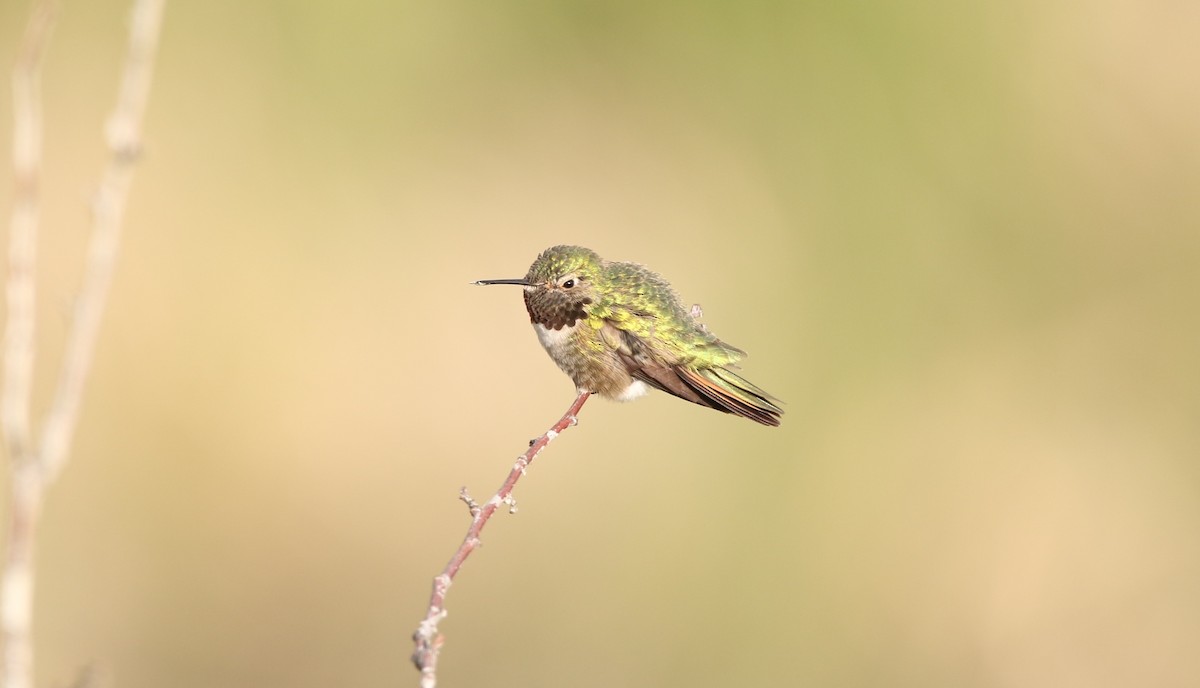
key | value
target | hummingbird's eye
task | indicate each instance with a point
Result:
(568, 284)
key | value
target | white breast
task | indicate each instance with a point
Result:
(554, 341)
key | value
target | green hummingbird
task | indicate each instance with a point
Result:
(615, 328)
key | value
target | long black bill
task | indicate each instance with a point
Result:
(521, 281)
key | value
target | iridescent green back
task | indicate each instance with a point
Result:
(634, 299)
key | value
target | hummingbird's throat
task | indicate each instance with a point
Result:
(553, 312)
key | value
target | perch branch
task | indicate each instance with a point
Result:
(427, 639)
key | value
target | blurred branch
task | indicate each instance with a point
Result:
(25, 487)
(427, 640)
(34, 467)
(124, 133)
(26, 213)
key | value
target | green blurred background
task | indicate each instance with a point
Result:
(961, 240)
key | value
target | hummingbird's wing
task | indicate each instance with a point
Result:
(664, 346)
(714, 387)
(644, 365)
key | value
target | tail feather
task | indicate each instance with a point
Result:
(726, 391)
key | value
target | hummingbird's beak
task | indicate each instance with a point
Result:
(520, 281)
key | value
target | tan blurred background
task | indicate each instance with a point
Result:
(961, 240)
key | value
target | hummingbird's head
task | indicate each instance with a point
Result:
(559, 265)
(560, 284)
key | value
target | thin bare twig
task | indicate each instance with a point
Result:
(427, 640)
(22, 247)
(125, 142)
(35, 466)
(25, 498)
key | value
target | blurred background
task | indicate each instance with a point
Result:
(960, 240)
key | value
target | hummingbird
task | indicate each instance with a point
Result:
(617, 329)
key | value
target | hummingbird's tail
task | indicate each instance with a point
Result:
(726, 391)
